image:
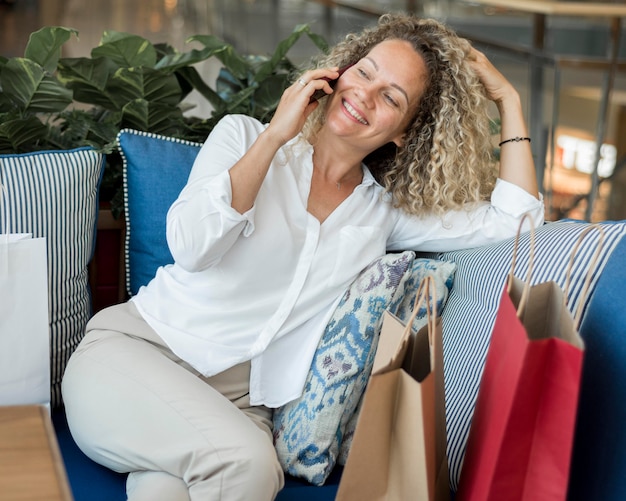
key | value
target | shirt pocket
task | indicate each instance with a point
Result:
(358, 246)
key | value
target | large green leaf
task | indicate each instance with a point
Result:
(17, 135)
(31, 89)
(166, 120)
(241, 102)
(193, 78)
(175, 61)
(136, 114)
(126, 50)
(44, 46)
(225, 52)
(228, 84)
(130, 84)
(280, 53)
(269, 92)
(88, 79)
(103, 129)
(154, 117)
(319, 41)
(5, 103)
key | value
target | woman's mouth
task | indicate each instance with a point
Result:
(353, 113)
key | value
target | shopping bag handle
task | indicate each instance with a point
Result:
(425, 291)
(531, 264)
(592, 266)
(4, 197)
(4, 230)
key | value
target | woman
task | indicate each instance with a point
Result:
(276, 220)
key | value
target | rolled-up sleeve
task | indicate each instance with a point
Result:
(201, 223)
(476, 225)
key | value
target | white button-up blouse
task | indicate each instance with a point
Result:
(261, 286)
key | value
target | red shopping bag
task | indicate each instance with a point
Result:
(520, 441)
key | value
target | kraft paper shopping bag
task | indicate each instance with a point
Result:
(399, 446)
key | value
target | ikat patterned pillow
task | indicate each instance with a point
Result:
(443, 273)
(309, 431)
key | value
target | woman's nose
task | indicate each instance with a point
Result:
(365, 93)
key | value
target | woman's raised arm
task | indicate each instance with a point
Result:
(516, 161)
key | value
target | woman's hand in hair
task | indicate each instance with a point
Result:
(497, 87)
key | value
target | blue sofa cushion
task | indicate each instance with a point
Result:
(54, 194)
(155, 169)
(468, 317)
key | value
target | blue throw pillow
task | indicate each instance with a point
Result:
(54, 194)
(309, 432)
(156, 169)
(468, 317)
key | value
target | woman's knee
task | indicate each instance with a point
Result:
(154, 486)
(247, 470)
(259, 458)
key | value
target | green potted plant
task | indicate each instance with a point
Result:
(48, 102)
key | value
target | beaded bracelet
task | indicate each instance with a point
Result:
(517, 139)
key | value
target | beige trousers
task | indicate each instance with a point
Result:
(133, 406)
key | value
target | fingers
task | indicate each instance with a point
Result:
(473, 54)
(316, 83)
(495, 83)
(296, 103)
(479, 62)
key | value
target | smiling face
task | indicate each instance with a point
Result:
(375, 100)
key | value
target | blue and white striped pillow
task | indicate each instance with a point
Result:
(470, 312)
(54, 194)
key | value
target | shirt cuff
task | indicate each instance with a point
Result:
(221, 196)
(514, 200)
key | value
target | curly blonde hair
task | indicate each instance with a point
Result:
(446, 158)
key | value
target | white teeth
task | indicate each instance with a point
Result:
(354, 113)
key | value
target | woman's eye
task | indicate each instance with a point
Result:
(389, 98)
(362, 72)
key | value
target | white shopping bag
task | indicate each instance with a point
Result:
(24, 338)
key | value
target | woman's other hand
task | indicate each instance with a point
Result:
(516, 161)
(497, 87)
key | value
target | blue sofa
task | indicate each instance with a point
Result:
(91, 482)
(599, 455)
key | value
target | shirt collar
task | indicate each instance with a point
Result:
(301, 145)
(368, 177)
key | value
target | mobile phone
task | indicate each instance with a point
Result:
(318, 94)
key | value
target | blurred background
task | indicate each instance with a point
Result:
(567, 59)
